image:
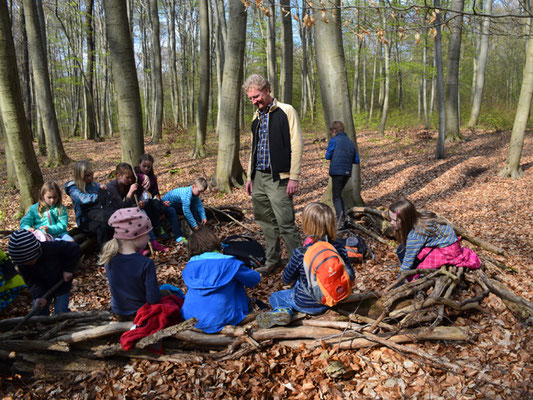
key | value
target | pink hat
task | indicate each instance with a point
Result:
(129, 223)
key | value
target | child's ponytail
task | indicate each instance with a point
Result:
(109, 251)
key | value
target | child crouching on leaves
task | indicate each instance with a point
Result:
(426, 241)
(132, 277)
(319, 223)
(42, 266)
(215, 284)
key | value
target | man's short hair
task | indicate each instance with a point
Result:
(337, 125)
(256, 81)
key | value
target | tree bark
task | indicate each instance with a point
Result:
(56, 153)
(157, 76)
(386, 88)
(271, 48)
(18, 135)
(439, 154)
(334, 88)
(229, 171)
(90, 116)
(125, 80)
(453, 132)
(205, 79)
(286, 52)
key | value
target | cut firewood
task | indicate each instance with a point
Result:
(95, 333)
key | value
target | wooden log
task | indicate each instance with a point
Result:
(407, 336)
(95, 333)
(370, 233)
(498, 264)
(519, 307)
(33, 345)
(166, 332)
(96, 315)
(369, 210)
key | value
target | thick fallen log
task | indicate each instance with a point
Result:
(86, 315)
(95, 333)
(33, 345)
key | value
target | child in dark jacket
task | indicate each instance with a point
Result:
(343, 154)
(215, 284)
(319, 223)
(42, 265)
(132, 277)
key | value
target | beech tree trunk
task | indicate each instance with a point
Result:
(229, 171)
(157, 77)
(439, 80)
(43, 91)
(286, 52)
(125, 80)
(271, 49)
(90, 114)
(334, 87)
(453, 132)
(19, 143)
(386, 88)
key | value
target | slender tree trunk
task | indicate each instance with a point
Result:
(512, 164)
(18, 143)
(425, 81)
(440, 86)
(25, 68)
(56, 153)
(157, 76)
(229, 171)
(220, 45)
(205, 79)
(372, 90)
(305, 68)
(356, 95)
(385, 108)
(334, 87)
(286, 52)
(90, 132)
(271, 48)
(453, 131)
(481, 64)
(365, 103)
(125, 80)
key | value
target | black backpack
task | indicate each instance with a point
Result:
(356, 248)
(246, 249)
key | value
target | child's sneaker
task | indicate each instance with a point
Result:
(181, 240)
(158, 247)
(268, 319)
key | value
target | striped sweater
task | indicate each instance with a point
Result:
(183, 197)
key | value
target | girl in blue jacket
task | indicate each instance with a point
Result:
(215, 284)
(343, 154)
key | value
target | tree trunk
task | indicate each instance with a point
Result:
(356, 95)
(157, 77)
(220, 46)
(512, 164)
(440, 87)
(205, 79)
(229, 171)
(19, 143)
(453, 132)
(43, 91)
(90, 116)
(334, 87)
(286, 52)
(372, 90)
(481, 65)
(425, 82)
(25, 68)
(271, 48)
(125, 80)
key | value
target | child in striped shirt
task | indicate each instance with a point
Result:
(186, 201)
(426, 241)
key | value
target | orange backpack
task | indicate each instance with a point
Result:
(326, 274)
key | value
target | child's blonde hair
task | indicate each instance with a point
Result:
(200, 183)
(109, 251)
(318, 220)
(49, 187)
(80, 169)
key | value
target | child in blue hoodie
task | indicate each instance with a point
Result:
(215, 284)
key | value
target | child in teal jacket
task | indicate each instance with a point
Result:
(49, 214)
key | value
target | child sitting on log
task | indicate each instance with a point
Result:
(49, 215)
(426, 241)
(132, 277)
(215, 284)
(42, 266)
(319, 224)
(186, 201)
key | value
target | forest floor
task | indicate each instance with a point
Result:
(463, 187)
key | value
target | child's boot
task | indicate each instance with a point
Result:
(158, 246)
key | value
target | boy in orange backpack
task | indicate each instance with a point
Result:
(312, 294)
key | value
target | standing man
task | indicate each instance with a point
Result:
(274, 169)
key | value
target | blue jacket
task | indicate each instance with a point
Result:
(82, 200)
(342, 153)
(215, 290)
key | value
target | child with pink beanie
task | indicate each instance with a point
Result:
(132, 277)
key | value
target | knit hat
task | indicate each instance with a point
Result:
(129, 223)
(23, 247)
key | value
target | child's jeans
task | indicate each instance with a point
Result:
(171, 213)
(284, 299)
(60, 305)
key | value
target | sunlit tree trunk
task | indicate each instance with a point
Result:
(229, 171)
(356, 92)
(452, 74)
(481, 65)
(425, 81)
(43, 91)
(18, 135)
(286, 52)
(90, 118)
(439, 81)
(205, 79)
(157, 76)
(220, 46)
(372, 90)
(25, 69)
(386, 89)
(334, 88)
(271, 48)
(125, 80)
